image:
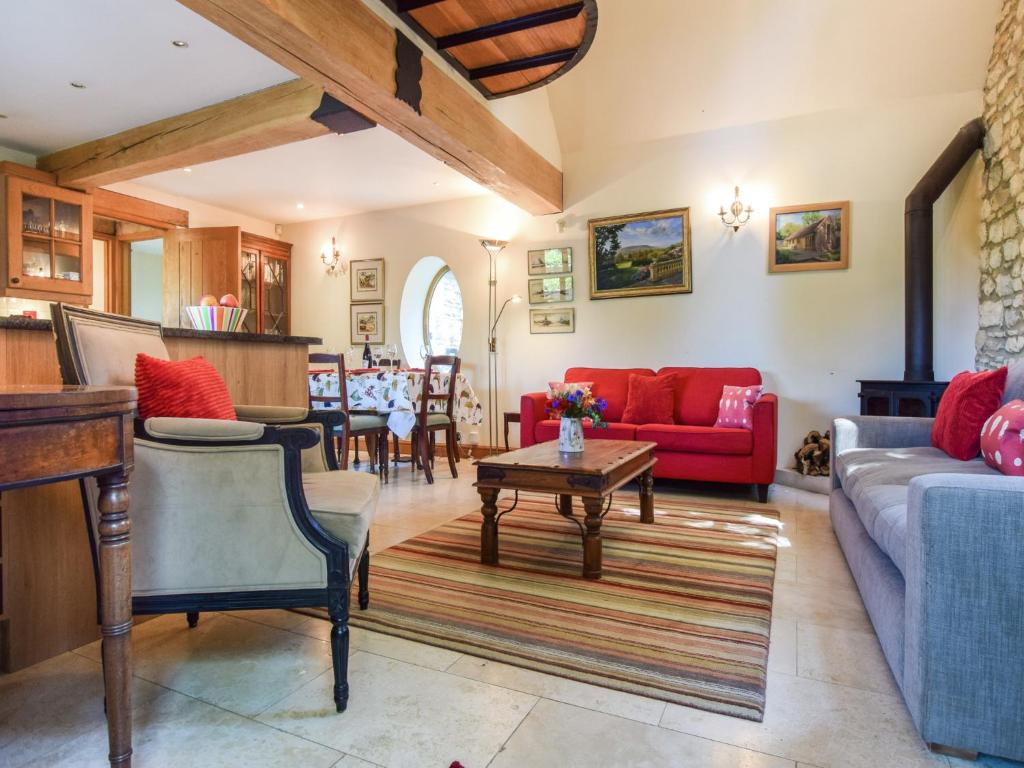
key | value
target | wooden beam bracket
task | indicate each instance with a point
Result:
(338, 117)
(408, 71)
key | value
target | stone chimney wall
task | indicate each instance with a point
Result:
(1001, 306)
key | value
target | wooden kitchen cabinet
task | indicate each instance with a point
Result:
(47, 239)
(220, 260)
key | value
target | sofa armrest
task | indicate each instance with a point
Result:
(880, 432)
(323, 420)
(202, 430)
(531, 410)
(271, 414)
(766, 438)
(963, 669)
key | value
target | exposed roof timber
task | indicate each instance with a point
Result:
(351, 51)
(404, 6)
(518, 65)
(530, 21)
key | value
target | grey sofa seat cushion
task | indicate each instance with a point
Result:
(876, 481)
(344, 503)
(1014, 389)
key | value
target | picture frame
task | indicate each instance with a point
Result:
(549, 261)
(366, 280)
(367, 320)
(556, 289)
(802, 238)
(554, 320)
(642, 254)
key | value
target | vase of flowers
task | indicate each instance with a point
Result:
(576, 407)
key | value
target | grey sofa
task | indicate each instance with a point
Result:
(936, 546)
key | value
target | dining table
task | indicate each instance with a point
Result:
(397, 393)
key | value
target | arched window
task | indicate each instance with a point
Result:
(442, 314)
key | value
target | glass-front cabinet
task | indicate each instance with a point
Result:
(266, 285)
(49, 241)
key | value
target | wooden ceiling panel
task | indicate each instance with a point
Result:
(504, 46)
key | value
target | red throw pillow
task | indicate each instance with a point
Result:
(1001, 445)
(187, 389)
(966, 404)
(651, 400)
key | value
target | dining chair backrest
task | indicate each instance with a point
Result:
(430, 366)
(341, 399)
(386, 363)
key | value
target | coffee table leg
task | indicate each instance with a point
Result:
(116, 609)
(592, 538)
(647, 497)
(565, 505)
(489, 529)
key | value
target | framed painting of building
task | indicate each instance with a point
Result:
(367, 323)
(367, 276)
(644, 254)
(808, 237)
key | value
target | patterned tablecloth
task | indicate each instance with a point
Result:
(398, 394)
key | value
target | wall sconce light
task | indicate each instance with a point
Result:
(736, 216)
(331, 257)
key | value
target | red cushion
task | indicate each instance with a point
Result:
(966, 404)
(548, 430)
(650, 400)
(688, 439)
(187, 389)
(610, 383)
(699, 390)
(1001, 444)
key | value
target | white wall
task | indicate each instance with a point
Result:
(812, 334)
(148, 279)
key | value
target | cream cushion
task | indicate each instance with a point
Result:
(344, 503)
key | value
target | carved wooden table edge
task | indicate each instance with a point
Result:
(29, 416)
(519, 471)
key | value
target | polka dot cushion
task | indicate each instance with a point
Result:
(736, 408)
(1001, 439)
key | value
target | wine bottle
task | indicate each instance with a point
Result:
(367, 355)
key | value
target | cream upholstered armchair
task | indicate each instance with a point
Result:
(230, 514)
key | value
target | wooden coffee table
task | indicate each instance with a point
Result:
(602, 468)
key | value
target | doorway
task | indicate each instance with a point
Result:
(130, 279)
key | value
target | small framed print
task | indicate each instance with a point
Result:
(551, 290)
(368, 323)
(367, 277)
(558, 320)
(549, 261)
(809, 237)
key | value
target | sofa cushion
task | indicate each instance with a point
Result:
(965, 406)
(344, 503)
(548, 430)
(688, 439)
(610, 383)
(650, 400)
(699, 390)
(1002, 439)
(185, 389)
(876, 482)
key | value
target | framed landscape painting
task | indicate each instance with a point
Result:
(557, 320)
(367, 278)
(368, 321)
(806, 237)
(549, 261)
(644, 254)
(551, 290)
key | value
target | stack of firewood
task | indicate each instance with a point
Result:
(812, 457)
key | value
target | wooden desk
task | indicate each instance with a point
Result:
(602, 468)
(53, 433)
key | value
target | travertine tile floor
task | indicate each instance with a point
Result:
(253, 689)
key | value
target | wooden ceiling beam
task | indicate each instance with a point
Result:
(508, 26)
(518, 65)
(261, 120)
(351, 52)
(404, 6)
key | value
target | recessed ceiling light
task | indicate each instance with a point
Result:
(78, 85)
(179, 43)
(300, 206)
(187, 170)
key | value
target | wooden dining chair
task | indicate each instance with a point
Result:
(428, 424)
(372, 427)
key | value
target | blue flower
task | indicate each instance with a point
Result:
(554, 403)
(572, 398)
(579, 393)
(602, 403)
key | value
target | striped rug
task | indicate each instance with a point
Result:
(681, 613)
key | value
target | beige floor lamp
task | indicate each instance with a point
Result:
(493, 248)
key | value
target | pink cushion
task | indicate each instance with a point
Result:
(610, 383)
(548, 430)
(736, 408)
(650, 400)
(1001, 444)
(698, 391)
(687, 439)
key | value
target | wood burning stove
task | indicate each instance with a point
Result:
(900, 398)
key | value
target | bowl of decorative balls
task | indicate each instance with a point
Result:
(217, 315)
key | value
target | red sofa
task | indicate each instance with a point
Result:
(690, 449)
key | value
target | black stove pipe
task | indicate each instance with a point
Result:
(918, 248)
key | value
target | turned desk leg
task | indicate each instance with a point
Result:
(115, 563)
(647, 497)
(592, 538)
(489, 529)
